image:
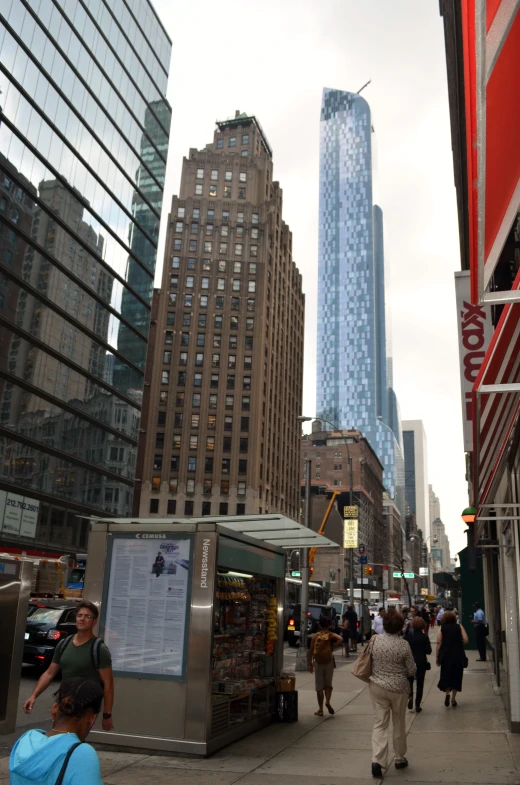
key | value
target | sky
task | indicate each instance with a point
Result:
(272, 58)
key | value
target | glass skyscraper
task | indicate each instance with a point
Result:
(84, 128)
(354, 375)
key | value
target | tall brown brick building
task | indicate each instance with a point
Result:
(220, 435)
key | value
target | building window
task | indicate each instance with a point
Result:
(195, 402)
(165, 377)
(174, 280)
(251, 287)
(241, 489)
(176, 262)
(244, 424)
(194, 442)
(172, 507)
(174, 465)
(194, 227)
(219, 302)
(185, 339)
(222, 266)
(186, 319)
(203, 300)
(183, 358)
(177, 244)
(206, 506)
(246, 383)
(242, 466)
(214, 174)
(192, 463)
(242, 177)
(253, 250)
(232, 361)
(221, 284)
(238, 249)
(168, 337)
(228, 176)
(246, 403)
(167, 358)
(170, 318)
(212, 422)
(181, 212)
(198, 190)
(208, 245)
(254, 218)
(244, 153)
(230, 382)
(226, 444)
(179, 399)
(220, 145)
(188, 300)
(232, 141)
(161, 419)
(157, 461)
(254, 234)
(213, 190)
(172, 298)
(233, 341)
(176, 441)
(225, 216)
(235, 284)
(244, 444)
(163, 397)
(199, 359)
(226, 465)
(200, 174)
(213, 401)
(233, 322)
(197, 380)
(154, 505)
(213, 380)
(228, 423)
(188, 505)
(237, 267)
(201, 338)
(240, 218)
(249, 342)
(210, 443)
(156, 484)
(179, 226)
(195, 420)
(235, 303)
(217, 341)
(230, 400)
(245, 139)
(223, 248)
(224, 231)
(250, 305)
(215, 361)
(206, 488)
(250, 323)
(252, 268)
(218, 321)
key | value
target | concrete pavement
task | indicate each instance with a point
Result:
(469, 745)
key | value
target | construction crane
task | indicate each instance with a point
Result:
(312, 552)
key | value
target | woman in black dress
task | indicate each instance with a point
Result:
(451, 639)
(417, 637)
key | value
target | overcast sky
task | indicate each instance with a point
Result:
(272, 58)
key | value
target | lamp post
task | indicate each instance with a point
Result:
(302, 418)
(469, 516)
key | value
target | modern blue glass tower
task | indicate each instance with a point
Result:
(354, 375)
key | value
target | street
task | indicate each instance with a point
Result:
(469, 745)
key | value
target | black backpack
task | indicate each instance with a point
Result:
(94, 649)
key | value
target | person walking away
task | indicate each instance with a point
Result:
(392, 666)
(417, 637)
(38, 758)
(440, 613)
(425, 616)
(377, 625)
(321, 662)
(345, 634)
(81, 655)
(451, 639)
(481, 630)
(352, 625)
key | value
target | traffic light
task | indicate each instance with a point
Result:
(368, 571)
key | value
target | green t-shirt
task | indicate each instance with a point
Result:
(77, 661)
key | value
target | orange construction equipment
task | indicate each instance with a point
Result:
(312, 552)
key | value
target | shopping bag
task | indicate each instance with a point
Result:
(363, 666)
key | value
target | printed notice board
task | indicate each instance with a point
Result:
(146, 604)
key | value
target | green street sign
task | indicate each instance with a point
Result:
(296, 574)
(404, 575)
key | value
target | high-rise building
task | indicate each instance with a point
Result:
(416, 474)
(84, 129)
(354, 371)
(222, 435)
(433, 504)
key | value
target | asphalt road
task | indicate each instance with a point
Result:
(41, 713)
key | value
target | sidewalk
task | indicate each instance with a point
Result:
(466, 745)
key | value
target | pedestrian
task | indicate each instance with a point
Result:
(412, 613)
(345, 634)
(440, 613)
(433, 617)
(81, 655)
(321, 662)
(392, 666)
(451, 639)
(39, 757)
(425, 616)
(481, 630)
(417, 637)
(377, 625)
(353, 626)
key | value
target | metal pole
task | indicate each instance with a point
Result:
(301, 662)
(351, 499)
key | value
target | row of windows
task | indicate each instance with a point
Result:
(160, 436)
(182, 379)
(209, 461)
(204, 283)
(211, 419)
(180, 397)
(192, 464)
(206, 488)
(228, 175)
(204, 302)
(206, 506)
(195, 215)
(222, 247)
(210, 229)
(232, 141)
(226, 192)
(218, 323)
(207, 264)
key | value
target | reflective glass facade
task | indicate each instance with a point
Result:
(84, 130)
(354, 385)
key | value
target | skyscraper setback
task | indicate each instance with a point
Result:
(226, 379)
(84, 133)
(354, 372)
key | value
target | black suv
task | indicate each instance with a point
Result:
(45, 627)
(314, 611)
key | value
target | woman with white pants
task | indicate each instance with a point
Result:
(392, 665)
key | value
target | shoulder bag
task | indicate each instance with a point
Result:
(363, 666)
(61, 775)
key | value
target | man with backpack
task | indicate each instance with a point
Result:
(321, 662)
(81, 655)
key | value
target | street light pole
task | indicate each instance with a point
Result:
(301, 663)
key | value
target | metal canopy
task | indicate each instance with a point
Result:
(273, 529)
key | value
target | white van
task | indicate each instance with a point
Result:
(363, 613)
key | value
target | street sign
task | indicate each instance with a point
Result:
(409, 575)
(424, 592)
(350, 533)
(296, 574)
(423, 572)
(350, 512)
(362, 549)
(362, 560)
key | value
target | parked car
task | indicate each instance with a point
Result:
(363, 613)
(314, 612)
(45, 627)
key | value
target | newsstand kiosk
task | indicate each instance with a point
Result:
(192, 612)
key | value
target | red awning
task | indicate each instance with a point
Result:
(496, 405)
(491, 37)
